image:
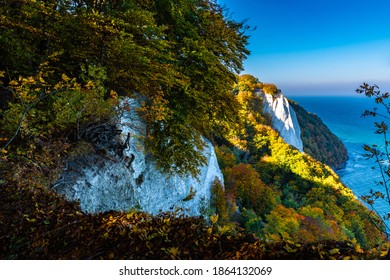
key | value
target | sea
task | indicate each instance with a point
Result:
(343, 116)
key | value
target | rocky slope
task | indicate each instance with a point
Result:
(283, 117)
(304, 130)
(318, 140)
(111, 181)
(107, 181)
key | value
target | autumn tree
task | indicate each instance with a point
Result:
(270, 89)
(282, 222)
(218, 201)
(179, 58)
(247, 82)
(250, 192)
(207, 49)
(381, 155)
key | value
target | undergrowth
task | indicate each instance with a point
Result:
(36, 223)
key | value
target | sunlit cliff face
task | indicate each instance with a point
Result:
(284, 119)
(103, 182)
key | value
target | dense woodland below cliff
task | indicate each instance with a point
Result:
(64, 66)
(318, 140)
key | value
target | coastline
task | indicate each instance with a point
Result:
(357, 173)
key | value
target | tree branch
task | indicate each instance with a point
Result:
(28, 108)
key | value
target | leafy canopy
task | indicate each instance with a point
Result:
(180, 57)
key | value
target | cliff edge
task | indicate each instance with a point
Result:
(103, 182)
(283, 117)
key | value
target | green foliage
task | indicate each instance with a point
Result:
(42, 111)
(247, 83)
(380, 154)
(315, 226)
(177, 148)
(251, 104)
(218, 201)
(283, 222)
(291, 197)
(179, 57)
(252, 223)
(40, 126)
(326, 147)
(66, 63)
(294, 197)
(225, 156)
(270, 89)
(48, 227)
(207, 49)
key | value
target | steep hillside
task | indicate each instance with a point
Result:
(119, 175)
(318, 140)
(283, 117)
(283, 194)
(66, 66)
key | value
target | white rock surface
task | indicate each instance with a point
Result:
(103, 183)
(284, 118)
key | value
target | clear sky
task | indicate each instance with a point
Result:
(317, 46)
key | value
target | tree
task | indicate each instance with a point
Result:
(381, 155)
(270, 89)
(178, 57)
(248, 82)
(244, 182)
(282, 221)
(218, 201)
(207, 49)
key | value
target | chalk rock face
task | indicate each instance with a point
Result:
(103, 182)
(284, 118)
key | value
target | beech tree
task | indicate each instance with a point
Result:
(178, 57)
(207, 50)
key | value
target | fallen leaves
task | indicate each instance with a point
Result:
(36, 223)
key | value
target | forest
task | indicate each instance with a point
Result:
(318, 140)
(64, 67)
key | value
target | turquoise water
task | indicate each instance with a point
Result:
(342, 115)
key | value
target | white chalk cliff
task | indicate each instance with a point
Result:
(284, 118)
(103, 182)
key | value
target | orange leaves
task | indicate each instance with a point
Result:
(158, 109)
(226, 158)
(270, 89)
(283, 221)
(244, 182)
(46, 226)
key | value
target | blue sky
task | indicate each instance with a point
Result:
(317, 46)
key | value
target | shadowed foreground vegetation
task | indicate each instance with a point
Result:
(37, 224)
(64, 65)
